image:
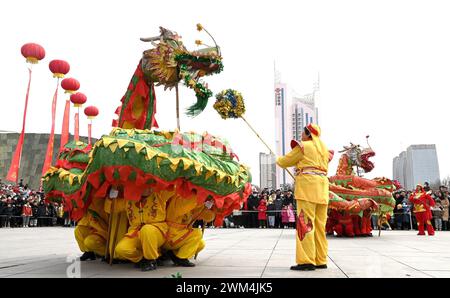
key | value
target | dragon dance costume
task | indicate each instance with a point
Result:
(146, 233)
(311, 192)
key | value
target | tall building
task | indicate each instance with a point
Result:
(399, 168)
(267, 171)
(418, 164)
(292, 113)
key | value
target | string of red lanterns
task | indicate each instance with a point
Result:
(33, 53)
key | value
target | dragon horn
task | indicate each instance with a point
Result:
(149, 39)
(367, 140)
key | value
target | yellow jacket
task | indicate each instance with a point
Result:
(181, 213)
(96, 218)
(151, 210)
(311, 183)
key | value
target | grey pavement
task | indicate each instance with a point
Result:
(50, 252)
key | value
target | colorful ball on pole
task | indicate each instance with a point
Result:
(229, 104)
(91, 112)
(70, 85)
(59, 68)
(33, 52)
(78, 99)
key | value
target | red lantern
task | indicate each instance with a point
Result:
(91, 112)
(70, 85)
(33, 52)
(78, 99)
(59, 68)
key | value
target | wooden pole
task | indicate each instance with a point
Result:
(111, 213)
(119, 217)
(203, 233)
(265, 143)
(178, 106)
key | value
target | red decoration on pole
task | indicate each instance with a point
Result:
(33, 52)
(76, 136)
(89, 132)
(59, 68)
(65, 126)
(78, 99)
(70, 85)
(91, 112)
(13, 172)
(51, 139)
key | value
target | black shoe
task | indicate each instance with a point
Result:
(324, 266)
(185, 263)
(179, 262)
(160, 262)
(304, 267)
(148, 265)
(89, 255)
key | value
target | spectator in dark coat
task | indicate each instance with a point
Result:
(8, 212)
(252, 204)
(278, 202)
(288, 199)
(41, 213)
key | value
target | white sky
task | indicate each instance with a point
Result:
(384, 66)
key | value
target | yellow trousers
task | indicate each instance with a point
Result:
(88, 241)
(313, 248)
(189, 246)
(145, 244)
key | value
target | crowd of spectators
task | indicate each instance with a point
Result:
(265, 209)
(21, 206)
(277, 209)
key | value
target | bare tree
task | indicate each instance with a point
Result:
(446, 182)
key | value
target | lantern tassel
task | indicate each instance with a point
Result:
(51, 139)
(89, 132)
(13, 172)
(65, 126)
(77, 126)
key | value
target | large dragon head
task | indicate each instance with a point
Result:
(359, 157)
(169, 62)
(364, 161)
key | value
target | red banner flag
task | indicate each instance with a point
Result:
(65, 126)
(89, 132)
(51, 139)
(13, 172)
(77, 126)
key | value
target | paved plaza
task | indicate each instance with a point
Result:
(44, 252)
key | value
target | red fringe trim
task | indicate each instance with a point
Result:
(133, 190)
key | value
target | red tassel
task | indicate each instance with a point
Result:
(65, 126)
(77, 126)
(51, 140)
(13, 173)
(89, 133)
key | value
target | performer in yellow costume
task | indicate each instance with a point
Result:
(92, 230)
(183, 240)
(147, 230)
(311, 158)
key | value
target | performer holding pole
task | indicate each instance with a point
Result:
(311, 157)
